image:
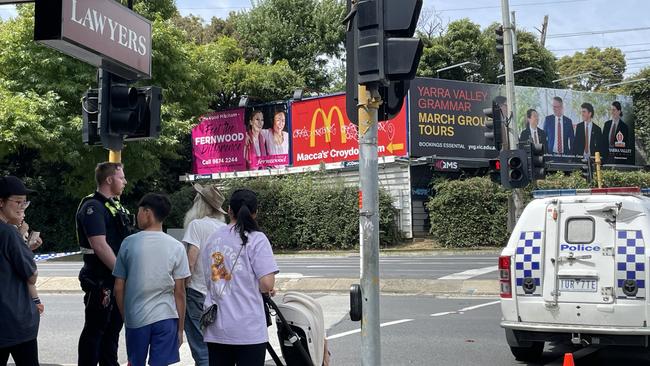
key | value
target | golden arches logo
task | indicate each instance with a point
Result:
(327, 122)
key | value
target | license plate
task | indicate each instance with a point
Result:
(578, 285)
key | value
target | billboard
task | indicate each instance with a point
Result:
(241, 139)
(447, 120)
(322, 132)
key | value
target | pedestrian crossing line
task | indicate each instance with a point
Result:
(395, 322)
(469, 273)
(469, 308)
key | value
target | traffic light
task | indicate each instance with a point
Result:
(514, 168)
(493, 122)
(495, 170)
(385, 48)
(90, 113)
(392, 94)
(499, 38)
(587, 169)
(537, 163)
(150, 99)
(126, 112)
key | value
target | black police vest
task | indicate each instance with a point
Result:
(119, 214)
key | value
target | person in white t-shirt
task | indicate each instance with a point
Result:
(201, 220)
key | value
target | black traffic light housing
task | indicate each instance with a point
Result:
(537, 163)
(495, 170)
(498, 32)
(384, 47)
(514, 168)
(587, 169)
(392, 93)
(125, 113)
(493, 130)
(90, 114)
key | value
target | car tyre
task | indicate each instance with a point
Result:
(528, 353)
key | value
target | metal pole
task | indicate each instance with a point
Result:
(599, 177)
(513, 131)
(115, 156)
(369, 102)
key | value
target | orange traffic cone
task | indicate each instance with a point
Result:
(568, 360)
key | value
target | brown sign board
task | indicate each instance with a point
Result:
(103, 33)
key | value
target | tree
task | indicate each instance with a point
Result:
(198, 32)
(463, 41)
(606, 65)
(302, 32)
(640, 92)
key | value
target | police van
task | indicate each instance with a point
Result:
(574, 269)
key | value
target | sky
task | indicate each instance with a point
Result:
(601, 23)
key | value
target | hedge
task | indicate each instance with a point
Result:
(473, 212)
(299, 212)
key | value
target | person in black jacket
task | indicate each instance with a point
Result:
(588, 134)
(615, 133)
(102, 224)
(532, 132)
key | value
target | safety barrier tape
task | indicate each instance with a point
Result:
(44, 257)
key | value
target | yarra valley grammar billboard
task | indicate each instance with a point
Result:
(447, 120)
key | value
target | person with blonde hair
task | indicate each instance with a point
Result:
(201, 220)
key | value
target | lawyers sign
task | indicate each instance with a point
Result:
(100, 32)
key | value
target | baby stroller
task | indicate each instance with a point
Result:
(301, 330)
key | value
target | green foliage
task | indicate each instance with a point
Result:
(464, 41)
(467, 213)
(607, 65)
(640, 92)
(473, 212)
(298, 213)
(302, 32)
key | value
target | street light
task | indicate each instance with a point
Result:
(625, 82)
(530, 68)
(468, 63)
(589, 73)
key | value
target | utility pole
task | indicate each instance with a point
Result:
(369, 102)
(542, 38)
(513, 132)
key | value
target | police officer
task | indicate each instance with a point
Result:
(102, 224)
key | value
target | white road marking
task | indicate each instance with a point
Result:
(354, 331)
(469, 273)
(460, 311)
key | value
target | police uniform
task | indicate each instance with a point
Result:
(98, 215)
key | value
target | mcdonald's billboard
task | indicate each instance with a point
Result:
(322, 132)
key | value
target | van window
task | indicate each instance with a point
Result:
(580, 230)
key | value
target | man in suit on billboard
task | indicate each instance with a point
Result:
(559, 130)
(588, 134)
(532, 132)
(611, 132)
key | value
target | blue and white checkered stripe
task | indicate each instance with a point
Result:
(630, 262)
(44, 257)
(528, 261)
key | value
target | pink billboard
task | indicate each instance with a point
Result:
(218, 142)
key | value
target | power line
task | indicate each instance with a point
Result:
(638, 58)
(511, 5)
(590, 33)
(611, 46)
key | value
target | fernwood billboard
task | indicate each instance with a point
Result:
(447, 120)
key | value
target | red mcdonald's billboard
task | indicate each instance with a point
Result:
(322, 132)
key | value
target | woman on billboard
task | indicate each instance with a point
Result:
(255, 146)
(277, 140)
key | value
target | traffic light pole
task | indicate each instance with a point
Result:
(513, 132)
(369, 102)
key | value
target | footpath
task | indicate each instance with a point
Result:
(437, 287)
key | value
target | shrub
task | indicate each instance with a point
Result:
(301, 212)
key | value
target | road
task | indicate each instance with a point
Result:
(475, 266)
(416, 330)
